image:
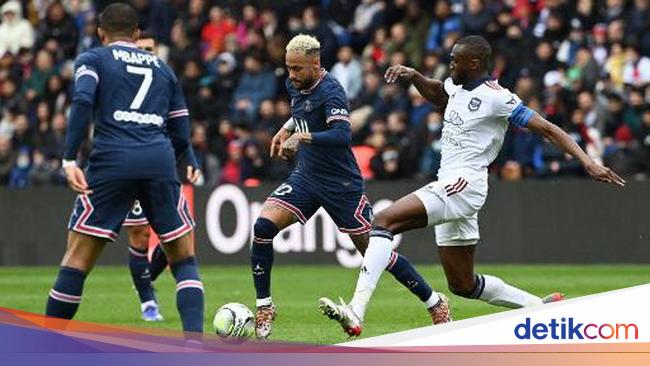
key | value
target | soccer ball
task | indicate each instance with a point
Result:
(234, 323)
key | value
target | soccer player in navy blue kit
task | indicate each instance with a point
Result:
(143, 271)
(141, 125)
(326, 176)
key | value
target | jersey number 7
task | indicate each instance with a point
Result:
(144, 87)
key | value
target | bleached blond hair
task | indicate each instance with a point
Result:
(304, 44)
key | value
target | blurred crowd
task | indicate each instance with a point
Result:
(583, 64)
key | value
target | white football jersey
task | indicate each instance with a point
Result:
(475, 123)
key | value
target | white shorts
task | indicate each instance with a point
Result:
(452, 205)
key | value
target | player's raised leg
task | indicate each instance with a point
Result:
(65, 296)
(405, 214)
(404, 272)
(353, 216)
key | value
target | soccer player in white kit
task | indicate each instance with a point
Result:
(477, 114)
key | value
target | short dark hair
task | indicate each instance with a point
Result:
(477, 47)
(119, 19)
(145, 34)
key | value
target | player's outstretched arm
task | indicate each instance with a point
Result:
(431, 89)
(562, 140)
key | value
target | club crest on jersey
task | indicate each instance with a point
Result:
(474, 104)
(308, 106)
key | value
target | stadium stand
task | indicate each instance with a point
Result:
(584, 65)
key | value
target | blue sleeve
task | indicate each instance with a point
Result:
(339, 134)
(337, 118)
(86, 79)
(520, 115)
(178, 126)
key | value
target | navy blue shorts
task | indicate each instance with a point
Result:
(350, 211)
(136, 216)
(102, 213)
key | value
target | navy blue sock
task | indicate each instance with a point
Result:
(158, 262)
(189, 294)
(405, 273)
(139, 266)
(264, 231)
(65, 296)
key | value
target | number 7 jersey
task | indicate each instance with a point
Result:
(135, 96)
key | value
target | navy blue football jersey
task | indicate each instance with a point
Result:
(314, 110)
(135, 95)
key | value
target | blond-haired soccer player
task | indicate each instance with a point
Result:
(326, 176)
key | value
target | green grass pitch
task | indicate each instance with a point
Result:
(109, 297)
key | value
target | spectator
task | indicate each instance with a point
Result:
(269, 23)
(56, 94)
(232, 170)
(22, 137)
(214, 33)
(43, 171)
(254, 164)
(155, 16)
(55, 139)
(182, 49)
(328, 44)
(9, 96)
(208, 163)
(268, 121)
(445, 22)
(88, 38)
(18, 177)
(225, 83)
(58, 32)
(401, 41)
(34, 86)
(348, 72)
(15, 32)
(476, 18)
(250, 22)
(376, 50)
(365, 19)
(255, 84)
(430, 161)
(385, 165)
(636, 71)
(192, 23)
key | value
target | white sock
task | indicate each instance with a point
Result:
(374, 264)
(497, 292)
(267, 301)
(433, 300)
